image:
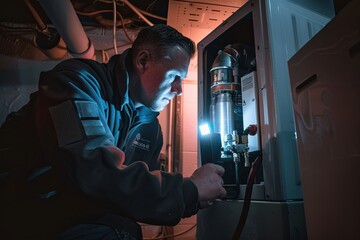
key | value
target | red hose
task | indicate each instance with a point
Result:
(247, 200)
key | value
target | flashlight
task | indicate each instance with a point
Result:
(210, 145)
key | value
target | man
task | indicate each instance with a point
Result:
(66, 175)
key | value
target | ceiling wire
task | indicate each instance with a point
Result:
(114, 26)
(136, 10)
(152, 15)
(144, 12)
(150, 6)
(108, 11)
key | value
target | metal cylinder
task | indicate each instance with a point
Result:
(213, 111)
(224, 115)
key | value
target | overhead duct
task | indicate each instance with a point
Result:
(64, 18)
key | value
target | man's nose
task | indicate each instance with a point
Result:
(176, 87)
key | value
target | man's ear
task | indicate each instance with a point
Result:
(142, 60)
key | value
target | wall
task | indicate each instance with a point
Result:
(19, 78)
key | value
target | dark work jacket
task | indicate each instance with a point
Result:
(60, 160)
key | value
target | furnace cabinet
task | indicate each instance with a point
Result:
(244, 80)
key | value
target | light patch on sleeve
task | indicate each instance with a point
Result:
(90, 119)
(87, 109)
(93, 127)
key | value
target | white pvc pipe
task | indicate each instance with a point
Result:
(64, 18)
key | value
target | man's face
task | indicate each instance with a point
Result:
(162, 79)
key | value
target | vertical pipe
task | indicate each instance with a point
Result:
(63, 16)
(171, 142)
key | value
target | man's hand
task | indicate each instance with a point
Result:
(209, 183)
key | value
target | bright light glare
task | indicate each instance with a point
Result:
(204, 129)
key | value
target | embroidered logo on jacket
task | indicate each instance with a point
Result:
(141, 143)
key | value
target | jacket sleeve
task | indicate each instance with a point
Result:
(72, 127)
